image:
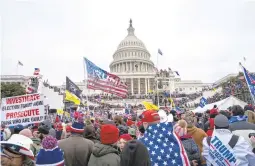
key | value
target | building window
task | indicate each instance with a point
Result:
(196, 88)
(190, 88)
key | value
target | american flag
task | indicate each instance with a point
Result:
(250, 79)
(30, 89)
(99, 79)
(37, 71)
(164, 146)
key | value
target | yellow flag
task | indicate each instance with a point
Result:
(171, 101)
(150, 106)
(60, 112)
(71, 97)
(214, 89)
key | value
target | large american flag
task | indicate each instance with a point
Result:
(99, 79)
(250, 79)
(164, 147)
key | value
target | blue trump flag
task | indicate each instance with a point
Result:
(203, 102)
(164, 146)
(250, 80)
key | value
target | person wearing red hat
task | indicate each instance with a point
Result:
(106, 152)
(124, 138)
(149, 117)
(209, 125)
(67, 132)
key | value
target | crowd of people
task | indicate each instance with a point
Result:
(216, 137)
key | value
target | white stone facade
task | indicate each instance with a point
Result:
(20, 79)
(190, 86)
(131, 62)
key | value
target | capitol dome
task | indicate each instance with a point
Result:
(131, 61)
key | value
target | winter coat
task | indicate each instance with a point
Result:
(77, 150)
(198, 135)
(104, 155)
(191, 148)
(36, 146)
(242, 150)
(243, 128)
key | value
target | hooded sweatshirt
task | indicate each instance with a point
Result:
(135, 154)
(198, 135)
(104, 155)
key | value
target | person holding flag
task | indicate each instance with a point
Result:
(163, 144)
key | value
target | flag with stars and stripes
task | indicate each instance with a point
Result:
(164, 146)
(250, 80)
(99, 79)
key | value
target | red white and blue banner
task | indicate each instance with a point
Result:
(164, 146)
(99, 79)
(250, 79)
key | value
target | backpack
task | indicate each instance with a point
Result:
(211, 127)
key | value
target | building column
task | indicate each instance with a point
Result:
(146, 87)
(126, 67)
(132, 86)
(149, 84)
(139, 86)
(130, 64)
(146, 67)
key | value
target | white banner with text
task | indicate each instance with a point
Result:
(25, 109)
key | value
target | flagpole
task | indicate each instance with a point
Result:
(86, 82)
(247, 83)
(157, 82)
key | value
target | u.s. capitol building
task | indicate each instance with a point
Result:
(131, 62)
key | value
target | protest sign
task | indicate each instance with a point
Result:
(25, 109)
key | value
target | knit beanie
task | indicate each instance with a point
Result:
(45, 127)
(109, 134)
(126, 137)
(135, 153)
(78, 127)
(50, 154)
(180, 128)
(27, 133)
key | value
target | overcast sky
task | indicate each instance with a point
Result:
(203, 40)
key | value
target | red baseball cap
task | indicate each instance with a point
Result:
(149, 116)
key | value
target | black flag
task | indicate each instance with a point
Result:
(73, 88)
